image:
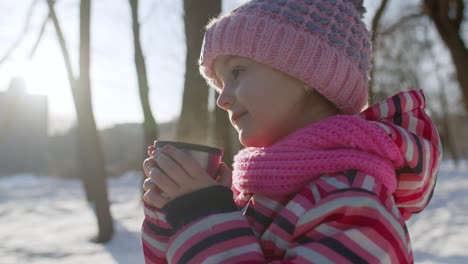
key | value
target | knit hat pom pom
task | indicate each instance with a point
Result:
(359, 6)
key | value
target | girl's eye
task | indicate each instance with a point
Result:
(236, 71)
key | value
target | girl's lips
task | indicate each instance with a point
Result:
(237, 116)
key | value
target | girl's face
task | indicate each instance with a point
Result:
(264, 104)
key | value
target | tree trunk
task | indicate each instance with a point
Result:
(445, 120)
(150, 128)
(92, 168)
(447, 15)
(193, 121)
(225, 135)
(91, 153)
(149, 125)
(375, 33)
(446, 124)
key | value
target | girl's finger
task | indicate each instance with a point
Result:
(148, 184)
(225, 175)
(150, 149)
(186, 162)
(147, 165)
(155, 199)
(164, 182)
(172, 169)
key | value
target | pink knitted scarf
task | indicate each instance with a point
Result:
(332, 145)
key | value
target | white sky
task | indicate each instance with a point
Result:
(114, 84)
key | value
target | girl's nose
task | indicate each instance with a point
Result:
(225, 100)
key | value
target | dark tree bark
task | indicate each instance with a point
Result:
(149, 125)
(194, 118)
(448, 15)
(92, 167)
(375, 32)
(150, 128)
(445, 120)
(403, 20)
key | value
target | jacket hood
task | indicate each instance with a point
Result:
(403, 118)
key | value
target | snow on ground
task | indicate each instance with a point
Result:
(440, 233)
(46, 220)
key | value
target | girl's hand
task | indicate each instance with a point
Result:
(224, 175)
(175, 173)
(153, 195)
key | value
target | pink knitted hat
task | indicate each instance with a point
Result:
(323, 43)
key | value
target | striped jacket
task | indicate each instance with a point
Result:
(346, 217)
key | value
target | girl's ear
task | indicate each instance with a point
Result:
(307, 89)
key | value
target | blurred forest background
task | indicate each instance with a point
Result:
(416, 44)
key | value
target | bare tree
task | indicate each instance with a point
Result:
(404, 59)
(194, 118)
(150, 128)
(446, 133)
(401, 22)
(375, 31)
(23, 33)
(39, 37)
(90, 151)
(447, 16)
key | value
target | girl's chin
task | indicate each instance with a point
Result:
(248, 140)
(245, 140)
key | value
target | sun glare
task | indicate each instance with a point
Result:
(46, 77)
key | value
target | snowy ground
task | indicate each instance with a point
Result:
(440, 233)
(45, 220)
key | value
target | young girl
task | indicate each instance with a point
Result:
(320, 180)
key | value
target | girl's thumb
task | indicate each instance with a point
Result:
(224, 175)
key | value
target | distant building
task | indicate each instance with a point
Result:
(23, 130)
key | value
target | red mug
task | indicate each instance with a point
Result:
(208, 157)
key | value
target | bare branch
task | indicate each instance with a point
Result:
(20, 37)
(449, 31)
(438, 11)
(63, 45)
(403, 20)
(377, 18)
(460, 9)
(39, 37)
